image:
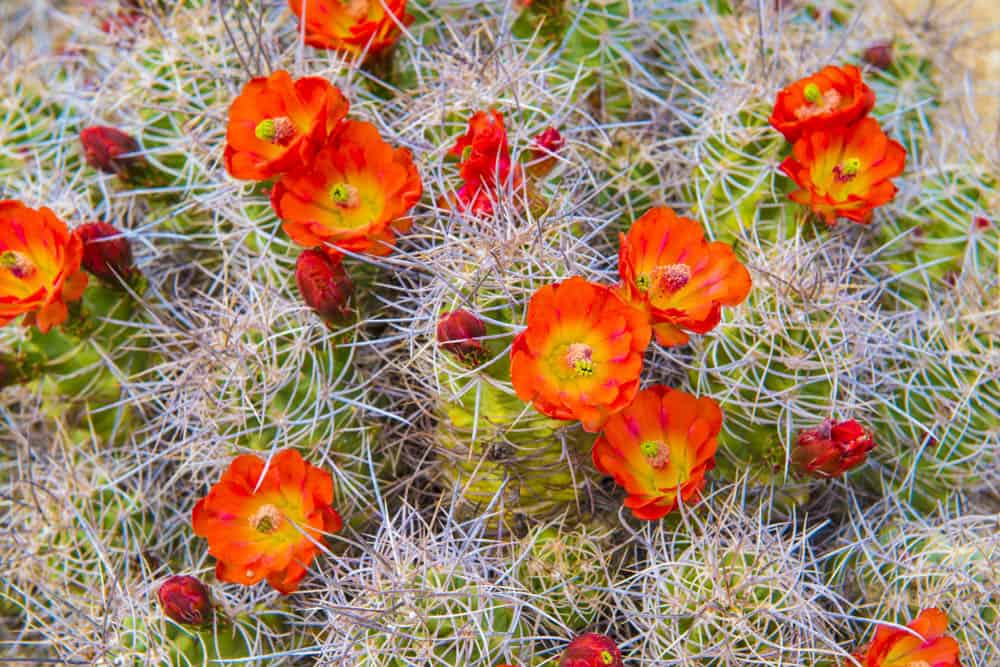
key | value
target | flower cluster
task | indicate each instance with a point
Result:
(486, 166)
(43, 264)
(339, 186)
(841, 159)
(580, 358)
(267, 519)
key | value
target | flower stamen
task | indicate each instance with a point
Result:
(848, 170)
(266, 519)
(669, 278)
(579, 357)
(19, 265)
(345, 195)
(818, 102)
(279, 130)
(656, 452)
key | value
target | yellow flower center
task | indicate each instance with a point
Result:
(823, 102)
(607, 658)
(266, 519)
(345, 195)
(668, 278)
(656, 452)
(642, 282)
(19, 265)
(848, 170)
(579, 358)
(280, 130)
(812, 93)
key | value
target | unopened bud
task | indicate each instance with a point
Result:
(106, 253)
(544, 149)
(459, 332)
(832, 448)
(879, 55)
(185, 600)
(111, 151)
(591, 650)
(324, 285)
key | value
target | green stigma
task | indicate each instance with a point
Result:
(851, 166)
(649, 448)
(344, 194)
(642, 282)
(812, 93)
(265, 130)
(607, 658)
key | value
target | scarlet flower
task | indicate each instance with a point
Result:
(459, 333)
(352, 26)
(324, 284)
(111, 151)
(277, 124)
(924, 643)
(659, 448)
(39, 266)
(832, 448)
(845, 171)
(185, 600)
(485, 163)
(832, 97)
(106, 253)
(591, 650)
(668, 267)
(353, 195)
(580, 356)
(544, 149)
(264, 519)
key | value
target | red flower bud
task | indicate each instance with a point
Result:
(879, 55)
(832, 448)
(110, 150)
(185, 600)
(106, 253)
(459, 332)
(591, 650)
(324, 284)
(544, 148)
(981, 222)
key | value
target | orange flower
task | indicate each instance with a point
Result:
(667, 266)
(277, 124)
(264, 519)
(352, 26)
(581, 354)
(352, 196)
(923, 644)
(845, 171)
(659, 448)
(831, 97)
(39, 266)
(485, 164)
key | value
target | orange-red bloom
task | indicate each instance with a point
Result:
(581, 355)
(265, 519)
(277, 124)
(39, 266)
(667, 266)
(352, 26)
(845, 171)
(353, 195)
(924, 644)
(485, 166)
(831, 97)
(659, 448)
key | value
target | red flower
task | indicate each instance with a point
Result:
(668, 267)
(264, 519)
(185, 600)
(277, 124)
(591, 650)
(352, 26)
(485, 165)
(832, 448)
(459, 332)
(106, 253)
(923, 644)
(544, 149)
(659, 448)
(832, 97)
(580, 356)
(845, 171)
(39, 266)
(324, 284)
(353, 195)
(111, 151)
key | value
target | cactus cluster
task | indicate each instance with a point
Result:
(229, 321)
